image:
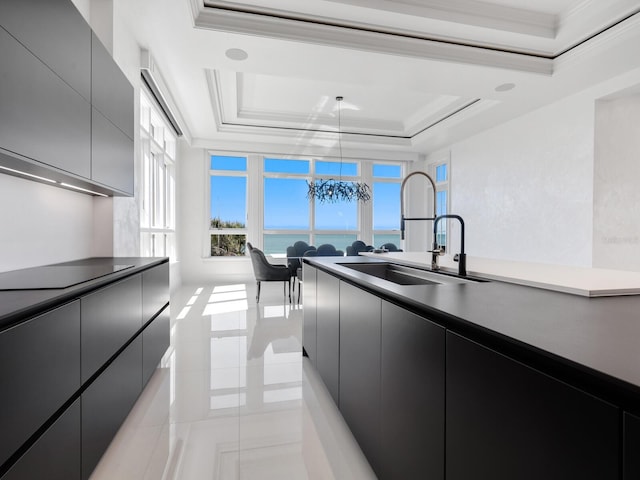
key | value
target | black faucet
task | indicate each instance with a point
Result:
(462, 257)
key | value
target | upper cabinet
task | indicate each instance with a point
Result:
(41, 117)
(111, 154)
(56, 33)
(112, 126)
(53, 71)
(111, 92)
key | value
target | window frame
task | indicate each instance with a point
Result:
(443, 186)
(256, 175)
(158, 182)
(391, 180)
(225, 231)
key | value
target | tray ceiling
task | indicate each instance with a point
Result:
(415, 74)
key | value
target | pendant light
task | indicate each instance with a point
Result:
(333, 191)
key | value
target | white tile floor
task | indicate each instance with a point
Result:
(234, 399)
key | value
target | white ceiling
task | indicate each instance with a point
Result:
(416, 75)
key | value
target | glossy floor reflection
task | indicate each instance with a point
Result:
(234, 399)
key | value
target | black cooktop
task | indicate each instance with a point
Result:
(55, 276)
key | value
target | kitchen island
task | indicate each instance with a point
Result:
(477, 380)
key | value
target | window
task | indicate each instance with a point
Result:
(157, 209)
(286, 211)
(442, 190)
(336, 223)
(386, 204)
(289, 216)
(228, 205)
(272, 193)
(336, 169)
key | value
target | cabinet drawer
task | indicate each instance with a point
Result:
(328, 332)
(631, 455)
(505, 420)
(155, 341)
(360, 387)
(309, 326)
(413, 395)
(56, 33)
(107, 402)
(41, 117)
(56, 454)
(39, 372)
(110, 317)
(155, 290)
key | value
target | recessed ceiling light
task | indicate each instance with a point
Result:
(505, 87)
(236, 54)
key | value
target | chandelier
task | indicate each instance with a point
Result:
(333, 191)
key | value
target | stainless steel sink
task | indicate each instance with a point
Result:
(403, 275)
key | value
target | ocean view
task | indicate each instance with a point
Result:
(279, 243)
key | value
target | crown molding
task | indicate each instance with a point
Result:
(468, 12)
(366, 40)
(296, 151)
(441, 108)
(300, 127)
(627, 31)
(321, 122)
(574, 13)
(236, 119)
(213, 84)
(466, 112)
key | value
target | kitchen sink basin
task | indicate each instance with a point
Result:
(403, 275)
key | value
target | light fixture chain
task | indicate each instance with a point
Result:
(339, 99)
(330, 191)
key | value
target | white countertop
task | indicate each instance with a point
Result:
(589, 282)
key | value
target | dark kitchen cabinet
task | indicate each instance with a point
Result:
(360, 330)
(328, 332)
(107, 402)
(53, 71)
(413, 396)
(309, 275)
(631, 449)
(155, 290)
(39, 372)
(111, 155)
(112, 147)
(155, 341)
(111, 92)
(70, 376)
(56, 454)
(505, 420)
(56, 33)
(41, 117)
(110, 317)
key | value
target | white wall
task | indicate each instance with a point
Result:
(42, 224)
(524, 188)
(616, 214)
(126, 210)
(527, 189)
